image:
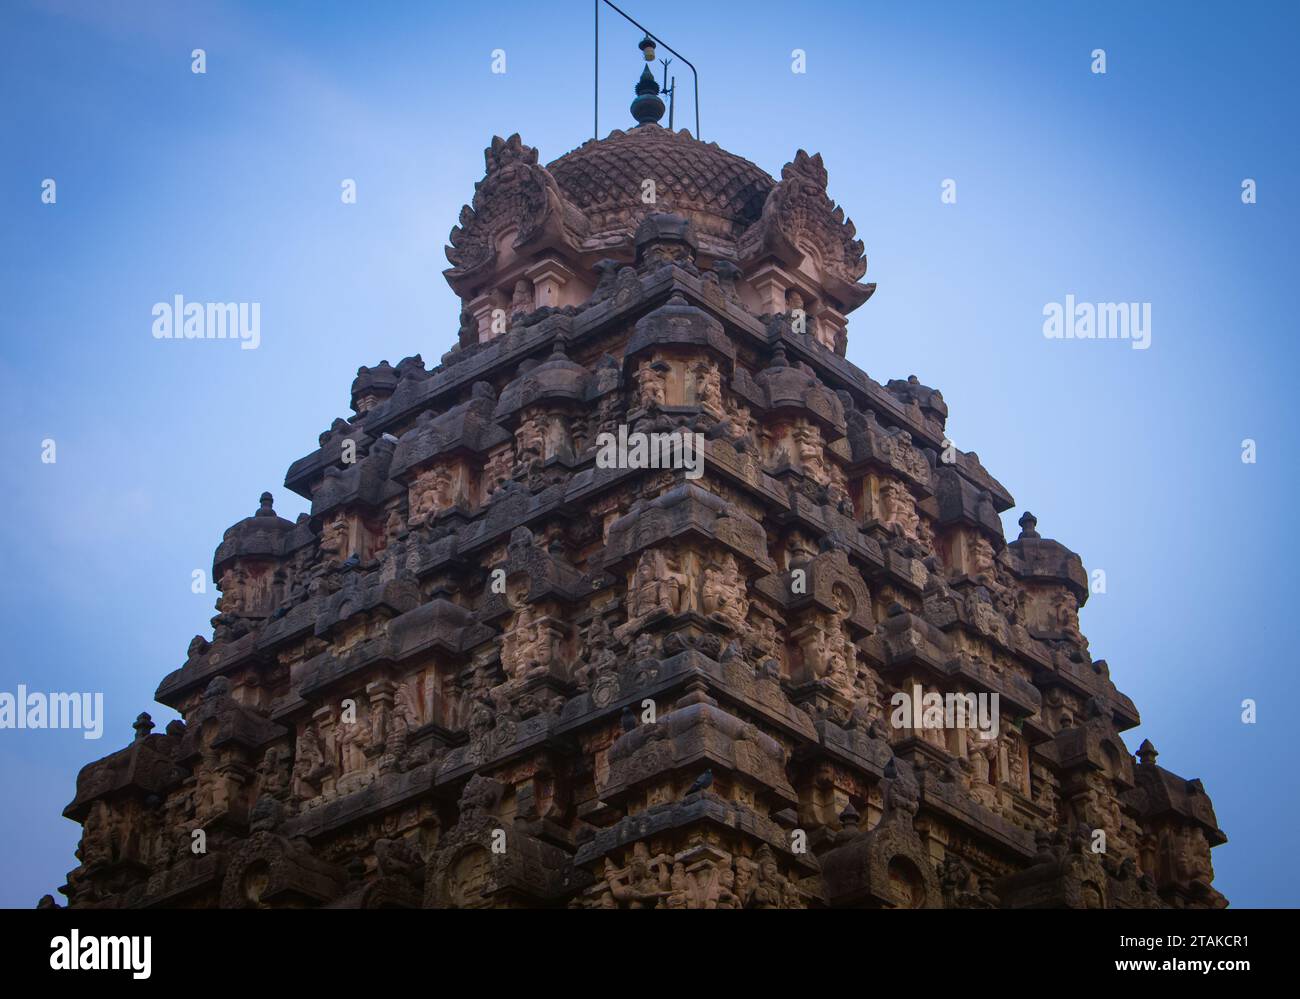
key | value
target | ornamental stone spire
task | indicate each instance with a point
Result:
(647, 107)
(671, 685)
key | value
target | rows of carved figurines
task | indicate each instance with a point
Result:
(459, 482)
(704, 877)
(335, 754)
(663, 579)
(344, 747)
(666, 381)
(701, 877)
(686, 581)
(545, 432)
(999, 773)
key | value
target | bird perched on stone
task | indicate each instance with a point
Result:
(701, 782)
(628, 719)
(352, 561)
(279, 613)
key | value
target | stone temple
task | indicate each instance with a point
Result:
(491, 670)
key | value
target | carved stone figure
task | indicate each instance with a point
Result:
(899, 507)
(723, 595)
(808, 445)
(353, 738)
(530, 443)
(522, 645)
(639, 885)
(652, 385)
(708, 385)
(334, 536)
(1065, 608)
(657, 585)
(309, 764)
(431, 492)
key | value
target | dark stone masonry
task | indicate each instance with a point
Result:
(489, 670)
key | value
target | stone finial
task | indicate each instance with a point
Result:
(1147, 754)
(647, 107)
(1028, 523)
(143, 725)
(265, 507)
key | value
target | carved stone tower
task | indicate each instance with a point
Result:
(491, 668)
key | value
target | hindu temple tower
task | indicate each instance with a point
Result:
(484, 671)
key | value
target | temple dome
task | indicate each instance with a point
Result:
(555, 378)
(722, 193)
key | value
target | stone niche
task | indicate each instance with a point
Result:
(542, 434)
(823, 650)
(667, 379)
(968, 552)
(549, 283)
(441, 486)
(1053, 612)
(889, 501)
(799, 442)
(428, 695)
(250, 588)
(344, 533)
(535, 639)
(661, 583)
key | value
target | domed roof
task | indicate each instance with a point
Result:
(257, 536)
(555, 378)
(604, 179)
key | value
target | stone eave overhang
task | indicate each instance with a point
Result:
(1160, 792)
(142, 768)
(442, 387)
(222, 659)
(184, 882)
(949, 801)
(1042, 560)
(1086, 682)
(704, 809)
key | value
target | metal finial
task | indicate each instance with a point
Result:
(647, 107)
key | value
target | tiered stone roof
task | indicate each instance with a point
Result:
(490, 669)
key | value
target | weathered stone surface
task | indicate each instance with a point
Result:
(488, 669)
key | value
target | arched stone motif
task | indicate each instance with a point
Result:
(889, 866)
(271, 872)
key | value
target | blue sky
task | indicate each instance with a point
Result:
(225, 186)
